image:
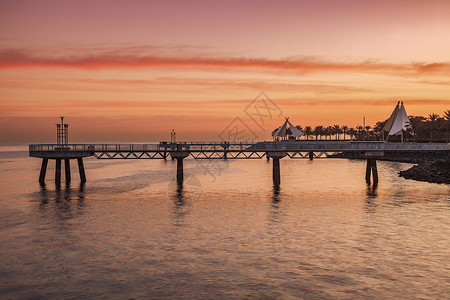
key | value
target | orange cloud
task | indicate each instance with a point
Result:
(14, 58)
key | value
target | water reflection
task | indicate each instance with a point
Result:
(372, 191)
(276, 193)
(179, 201)
(60, 199)
(371, 204)
(275, 205)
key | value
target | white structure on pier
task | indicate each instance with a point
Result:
(282, 131)
(397, 122)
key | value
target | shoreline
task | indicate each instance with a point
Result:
(434, 169)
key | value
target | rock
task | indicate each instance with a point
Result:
(429, 170)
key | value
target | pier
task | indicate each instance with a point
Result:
(275, 150)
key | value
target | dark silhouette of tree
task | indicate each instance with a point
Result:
(360, 129)
(344, 130)
(337, 131)
(432, 120)
(308, 131)
(352, 131)
(328, 132)
(378, 129)
(318, 131)
(421, 129)
(367, 132)
(447, 115)
(447, 125)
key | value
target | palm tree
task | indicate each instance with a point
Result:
(367, 131)
(308, 131)
(318, 131)
(378, 129)
(337, 130)
(352, 131)
(360, 128)
(447, 118)
(329, 131)
(432, 119)
(344, 130)
(332, 132)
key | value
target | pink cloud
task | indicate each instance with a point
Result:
(14, 58)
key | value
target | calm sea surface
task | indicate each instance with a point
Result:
(130, 233)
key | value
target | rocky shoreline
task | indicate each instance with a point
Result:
(430, 170)
(434, 167)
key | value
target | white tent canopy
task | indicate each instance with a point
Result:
(387, 127)
(281, 132)
(398, 121)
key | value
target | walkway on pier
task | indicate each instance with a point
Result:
(223, 150)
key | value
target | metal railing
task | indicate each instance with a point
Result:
(244, 146)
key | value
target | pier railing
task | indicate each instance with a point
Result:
(322, 146)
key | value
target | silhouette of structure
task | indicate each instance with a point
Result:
(218, 150)
(61, 151)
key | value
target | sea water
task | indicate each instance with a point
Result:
(130, 232)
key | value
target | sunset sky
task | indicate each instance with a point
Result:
(124, 71)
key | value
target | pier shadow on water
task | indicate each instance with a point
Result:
(372, 194)
(66, 201)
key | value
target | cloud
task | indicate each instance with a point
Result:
(16, 58)
(144, 85)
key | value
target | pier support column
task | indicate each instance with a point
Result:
(67, 170)
(267, 156)
(311, 155)
(372, 165)
(368, 170)
(372, 168)
(179, 156)
(180, 171)
(81, 170)
(276, 171)
(374, 172)
(58, 172)
(276, 156)
(43, 170)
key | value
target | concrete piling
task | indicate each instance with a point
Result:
(81, 170)
(276, 171)
(58, 172)
(180, 171)
(43, 170)
(371, 167)
(67, 170)
(179, 156)
(276, 174)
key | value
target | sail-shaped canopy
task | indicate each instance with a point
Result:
(401, 121)
(282, 131)
(387, 127)
(295, 132)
